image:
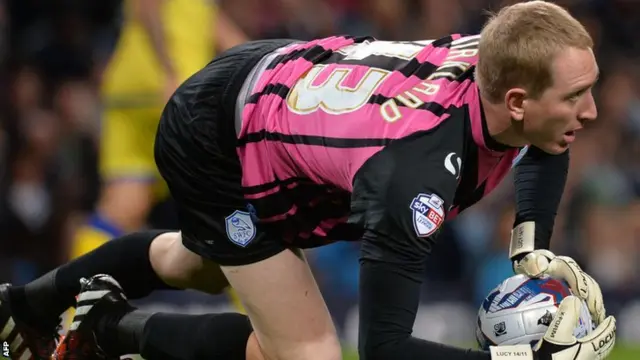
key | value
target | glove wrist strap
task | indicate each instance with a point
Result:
(511, 352)
(523, 239)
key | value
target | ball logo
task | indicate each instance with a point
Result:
(428, 214)
(522, 310)
(500, 328)
(240, 229)
(546, 319)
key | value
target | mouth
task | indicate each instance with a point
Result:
(570, 136)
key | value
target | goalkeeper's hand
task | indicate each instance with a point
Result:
(559, 343)
(544, 262)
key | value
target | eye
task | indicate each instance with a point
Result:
(576, 96)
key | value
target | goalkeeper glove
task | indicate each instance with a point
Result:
(536, 263)
(559, 343)
(544, 262)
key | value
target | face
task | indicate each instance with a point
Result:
(551, 121)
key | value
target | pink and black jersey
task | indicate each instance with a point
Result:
(276, 145)
(344, 134)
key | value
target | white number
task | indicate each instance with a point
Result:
(331, 95)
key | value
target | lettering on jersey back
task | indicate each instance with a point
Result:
(396, 49)
(450, 69)
(412, 98)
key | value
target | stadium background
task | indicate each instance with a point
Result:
(51, 56)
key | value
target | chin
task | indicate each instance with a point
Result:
(554, 148)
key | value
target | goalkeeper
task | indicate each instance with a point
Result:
(401, 136)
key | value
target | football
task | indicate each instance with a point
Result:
(520, 310)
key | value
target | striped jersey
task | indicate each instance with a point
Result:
(329, 120)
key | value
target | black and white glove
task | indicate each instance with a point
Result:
(559, 343)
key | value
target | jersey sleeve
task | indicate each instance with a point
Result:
(401, 197)
(539, 181)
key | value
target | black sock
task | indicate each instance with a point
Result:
(125, 258)
(121, 333)
(184, 337)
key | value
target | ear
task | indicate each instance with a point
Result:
(514, 100)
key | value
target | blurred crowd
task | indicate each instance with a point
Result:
(52, 53)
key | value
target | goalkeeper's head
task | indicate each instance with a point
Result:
(535, 72)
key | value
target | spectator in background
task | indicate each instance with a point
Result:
(33, 197)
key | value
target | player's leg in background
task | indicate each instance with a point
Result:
(128, 179)
(292, 326)
(234, 300)
(128, 175)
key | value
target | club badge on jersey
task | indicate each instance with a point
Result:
(240, 228)
(428, 214)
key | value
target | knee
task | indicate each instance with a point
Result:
(179, 267)
(166, 263)
(324, 348)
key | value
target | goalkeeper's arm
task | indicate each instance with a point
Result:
(539, 181)
(539, 184)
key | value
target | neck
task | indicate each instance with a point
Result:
(501, 128)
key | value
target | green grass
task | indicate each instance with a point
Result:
(621, 352)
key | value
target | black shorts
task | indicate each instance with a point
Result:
(195, 151)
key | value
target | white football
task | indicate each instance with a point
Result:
(520, 310)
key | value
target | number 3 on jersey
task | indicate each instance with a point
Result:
(339, 89)
(342, 88)
(334, 89)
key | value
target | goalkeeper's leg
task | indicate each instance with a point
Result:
(139, 261)
(107, 325)
(178, 336)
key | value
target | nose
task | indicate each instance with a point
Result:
(588, 110)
